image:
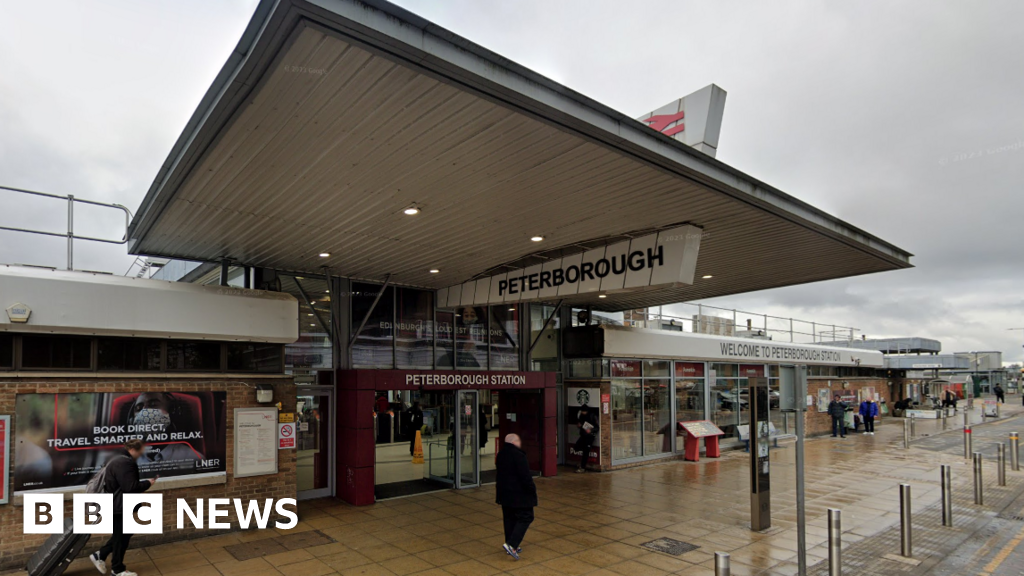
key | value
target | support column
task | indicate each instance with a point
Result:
(549, 423)
(356, 441)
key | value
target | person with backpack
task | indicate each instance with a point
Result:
(119, 476)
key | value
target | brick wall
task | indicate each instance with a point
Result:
(819, 423)
(16, 547)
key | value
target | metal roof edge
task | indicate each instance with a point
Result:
(425, 45)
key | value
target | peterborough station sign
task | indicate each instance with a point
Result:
(661, 259)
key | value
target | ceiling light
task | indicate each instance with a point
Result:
(411, 211)
(511, 309)
(434, 270)
(603, 296)
(325, 254)
(537, 238)
(706, 276)
(312, 324)
(327, 291)
(310, 314)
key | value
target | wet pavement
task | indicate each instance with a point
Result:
(597, 524)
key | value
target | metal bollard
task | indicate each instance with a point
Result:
(967, 442)
(1014, 455)
(1001, 463)
(722, 564)
(906, 524)
(906, 433)
(913, 426)
(999, 411)
(945, 424)
(835, 542)
(967, 418)
(979, 498)
(947, 495)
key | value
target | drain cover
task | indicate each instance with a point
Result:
(669, 546)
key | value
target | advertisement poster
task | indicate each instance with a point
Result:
(64, 439)
(579, 397)
(824, 397)
(5, 461)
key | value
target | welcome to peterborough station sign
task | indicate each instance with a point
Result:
(662, 259)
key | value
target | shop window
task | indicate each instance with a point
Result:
(730, 405)
(657, 368)
(61, 352)
(374, 345)
(504, 335)
(445, 344)
(6, 351)
(544, 356)
(414, 341)
(123, 354)
(726, 370)
(627, 419)
(658, 429)
(471, 337)
(193, 356)
(689, 400)
(254, 357)
(588, 368)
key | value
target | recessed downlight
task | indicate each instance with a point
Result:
(434, 270)
(411, 211)
(602, 296)
(706, 276)
(325, 254)
(537, 239)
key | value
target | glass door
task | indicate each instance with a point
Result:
(467, 439)
(314, 443)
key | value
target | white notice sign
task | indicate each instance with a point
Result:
(255, 441)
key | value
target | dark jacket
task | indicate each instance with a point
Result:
(591, 417)
(123, 477)
(515, 483)
(836, 409)
(869, 409)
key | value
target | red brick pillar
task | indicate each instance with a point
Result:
(356, 442)
(549, 406)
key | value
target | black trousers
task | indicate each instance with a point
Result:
(516, 520)
(838, 426)
(869, 423)
(1001, 398)
(118, 545)
(583, 445)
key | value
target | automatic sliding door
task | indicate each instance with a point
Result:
(467, 452)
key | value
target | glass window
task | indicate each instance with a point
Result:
(588, 368)
(56, 352)
(193, 356)
(6, 351)
(751, 370)
(471, 338)
(657, 368)
(627, 419)
(415, 340)
(254, 357)
(374, 346)
(445, 351)
(312, 352)
(658, 427)
(626, 368)
(544, 355)
(689, 400)
(725, 370)
(729, 403)
(125, 354)
(689, 369)
(504, 334)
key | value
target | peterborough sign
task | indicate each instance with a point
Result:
(665, 258)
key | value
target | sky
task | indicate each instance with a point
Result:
(903, 119)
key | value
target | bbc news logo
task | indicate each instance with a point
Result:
(143, 513)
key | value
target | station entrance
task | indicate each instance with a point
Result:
(460, 434)
(461, 418)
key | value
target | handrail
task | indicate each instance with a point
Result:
(70, 234)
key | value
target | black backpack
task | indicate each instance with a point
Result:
(98, 483)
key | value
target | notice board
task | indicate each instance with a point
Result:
(255, 441)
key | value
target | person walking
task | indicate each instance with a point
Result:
(837, 410)
(586, 423)
(122, 477)
(415, 424)
(516, 493)
(868, 413)
(1000, 394)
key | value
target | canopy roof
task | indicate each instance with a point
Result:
(333, 116)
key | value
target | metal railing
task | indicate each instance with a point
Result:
(70, 233)
(708, 319)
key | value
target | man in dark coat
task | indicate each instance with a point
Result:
(586, 422)
(837, 410)
(1000, 394)
(516, 493)
(415, 423)
(122, 478)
